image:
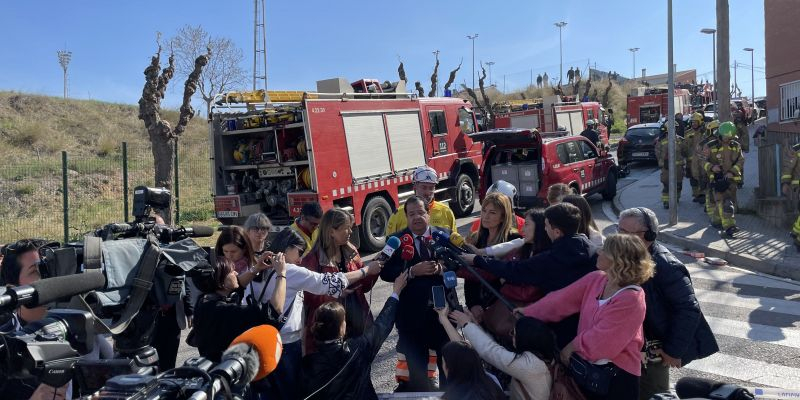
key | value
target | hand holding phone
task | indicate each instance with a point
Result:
(438, 297)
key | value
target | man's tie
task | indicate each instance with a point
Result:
(424, 253)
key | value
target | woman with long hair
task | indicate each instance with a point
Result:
(534, 348)
(496, 227)
(257, 227)
(332, 252)
(234, 245)
(284, 380)
(466, 377)
(534, 239)
(587, 227)
(612, 307)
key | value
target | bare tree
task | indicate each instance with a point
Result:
(434, 79)
(452, 77)
(487, 104)
(471, 94)
(606, 93)
(224, 71)
(588, 86)
(402, 72)
(418, 87)
(162, 136)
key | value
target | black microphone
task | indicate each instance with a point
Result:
(239, 364)
(49, 290)
(452, 242)
(198, 231)
(690, 387)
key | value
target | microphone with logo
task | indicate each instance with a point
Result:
(690, 388)
(453, 241)
(392, 244)
(450, 284)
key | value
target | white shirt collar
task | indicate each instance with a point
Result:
(427, 233)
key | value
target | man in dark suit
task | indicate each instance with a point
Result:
(418, 326)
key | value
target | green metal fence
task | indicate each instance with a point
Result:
(34, 202)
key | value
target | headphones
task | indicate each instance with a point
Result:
(649, 234)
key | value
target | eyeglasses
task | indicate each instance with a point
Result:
(624, 232)
(261, 229)
(299, 248)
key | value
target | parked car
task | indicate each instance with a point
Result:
(638, 144)
(534, 161)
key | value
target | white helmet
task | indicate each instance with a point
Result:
(505, 188)
(425, 174)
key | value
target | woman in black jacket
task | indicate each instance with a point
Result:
(219, 317)
(341, 369)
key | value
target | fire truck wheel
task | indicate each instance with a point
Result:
(463, 196)
(373, 224)
(611, 186)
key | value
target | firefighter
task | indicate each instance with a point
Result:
(724, 166)
(662, 155)
(702, 156)
(741, 130)
(692, 138)
(591, 134)
(790, 182)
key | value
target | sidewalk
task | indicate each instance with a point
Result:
(758, 246)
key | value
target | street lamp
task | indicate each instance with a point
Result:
(633, 51)
(490, 63)
(713, 33)
(560, 25)
(64, 58)
(752, 77)
(473, 37)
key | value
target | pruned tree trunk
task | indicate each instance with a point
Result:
(452, 77)
(434, 79)
(472, 95)
(588, 86)
(401, 71)
(420, 90)
(606, 94)
(487, 104)
(162, 136)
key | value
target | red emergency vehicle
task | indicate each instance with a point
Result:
(551, 113)
(348, 146)
(648, 105)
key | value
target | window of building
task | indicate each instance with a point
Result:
(790, 100)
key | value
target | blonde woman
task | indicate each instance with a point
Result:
(497, 226)
(612, 307)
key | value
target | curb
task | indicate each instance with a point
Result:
(781, 269)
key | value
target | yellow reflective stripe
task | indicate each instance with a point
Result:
(796, 182)
(736, 167)
(786, 177)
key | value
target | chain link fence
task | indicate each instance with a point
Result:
(33, 201)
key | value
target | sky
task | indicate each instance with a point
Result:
(112, 41)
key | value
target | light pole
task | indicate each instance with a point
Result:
(633, 51)
(713, 33)
(473, 37)
(490, 63)
(752, 78)
(436, 88)
(560, 25)
(64, 58)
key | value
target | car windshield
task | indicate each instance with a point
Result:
(642, 133)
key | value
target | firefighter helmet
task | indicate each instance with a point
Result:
(590, 122)
(425, 174)
(697, 117)
(505, 188)
(726, 130)
(713, 125)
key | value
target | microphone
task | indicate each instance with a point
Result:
(198, 231)
(448, 241)
(51, 289)
(450, 282)
(450, 279)
(392, 244)
(690, 387)
(265, 341)
(407, 240)
(407, 254)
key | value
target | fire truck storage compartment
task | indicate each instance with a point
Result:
(525, 121)
(368, 149)
(519, 167)
(648, 114)
(572, 120)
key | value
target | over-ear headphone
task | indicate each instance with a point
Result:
(649, 234)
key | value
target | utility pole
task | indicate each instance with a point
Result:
(723, 60)
(64, 58)
(436, 89)
(735, 70)
(504, 83)
(490, 63)
(713, 33)
(671, 144)
(633, 51)
(752, 77)
(473, 37)
(560, 25)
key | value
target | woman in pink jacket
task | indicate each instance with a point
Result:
(612, 307)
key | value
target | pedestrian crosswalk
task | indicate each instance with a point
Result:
(756, 320)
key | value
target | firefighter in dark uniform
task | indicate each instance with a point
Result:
(662, 155)
(741, 130)
(591, 134)
(702, 156)
(692, 138)
(724, 166)
(790, 182)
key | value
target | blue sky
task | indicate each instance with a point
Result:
(112, 41)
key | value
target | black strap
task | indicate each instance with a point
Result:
(284, 316)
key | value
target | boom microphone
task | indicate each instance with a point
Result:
(49, 290)
(690, 387)
(392, 244)
(266, 341)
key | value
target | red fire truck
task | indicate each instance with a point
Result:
(349, 146)
(646, 105)
(551, 113)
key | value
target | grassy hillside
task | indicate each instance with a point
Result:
(35, 130)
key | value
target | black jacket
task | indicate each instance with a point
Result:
(351, 360)
(673, 313)
(566, 261)
(415, 315)
(592, 135)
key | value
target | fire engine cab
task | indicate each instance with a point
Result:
(551, 114)
(349, 146)
(648, 105)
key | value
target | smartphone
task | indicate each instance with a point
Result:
(438, 296)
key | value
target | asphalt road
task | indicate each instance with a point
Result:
(756, 318)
